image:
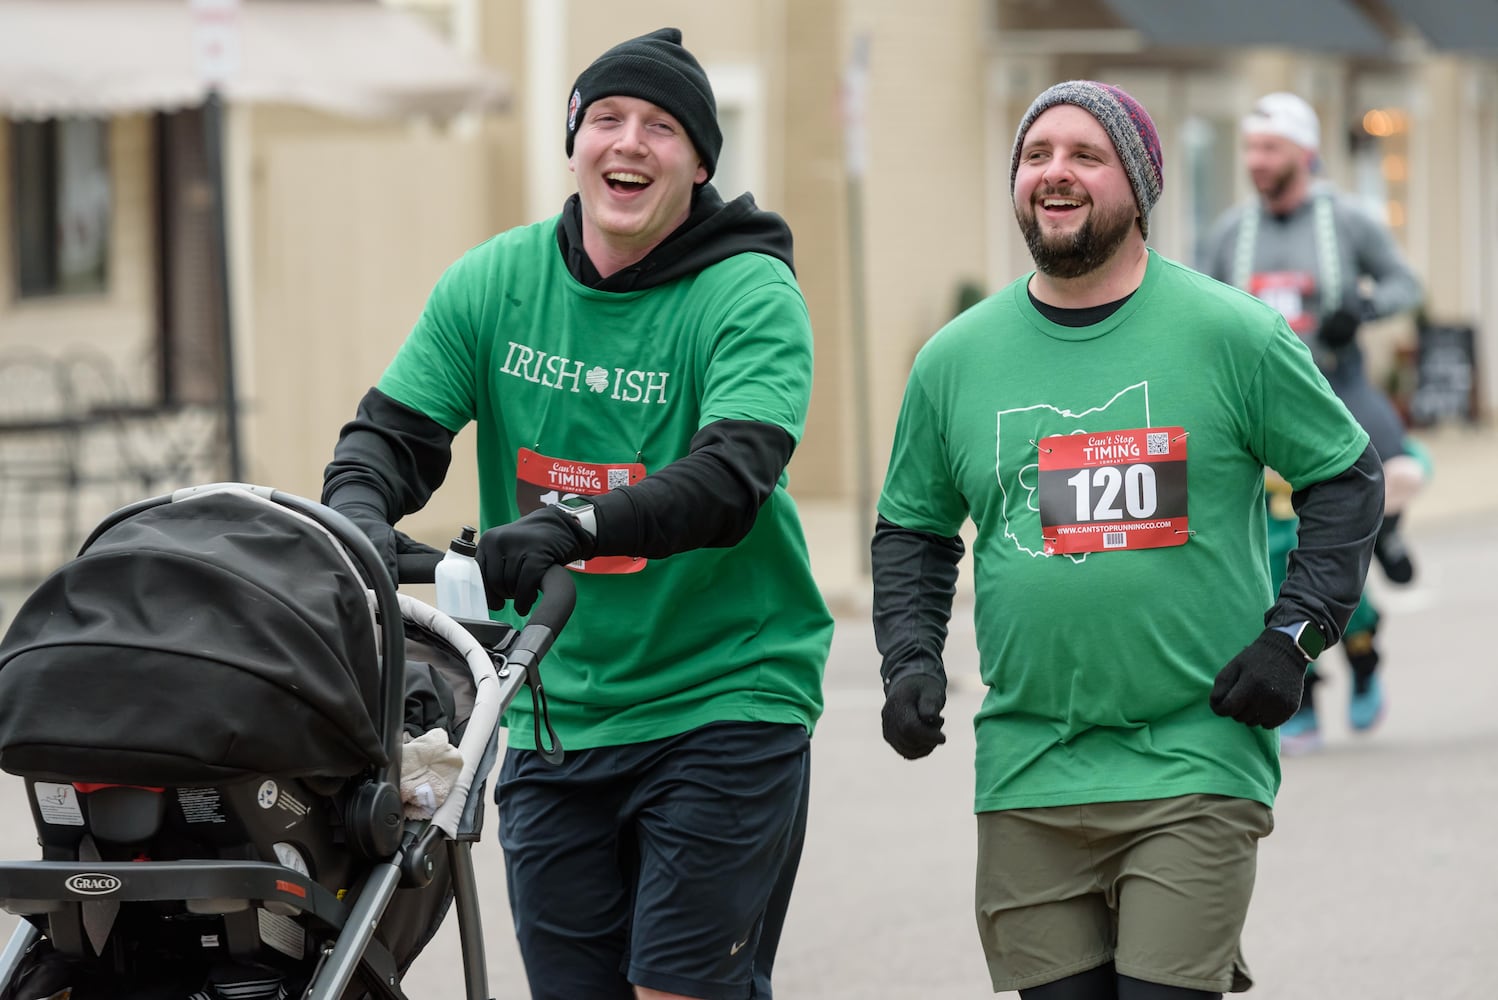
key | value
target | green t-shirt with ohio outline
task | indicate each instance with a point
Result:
(1099, 666)
(510, 340)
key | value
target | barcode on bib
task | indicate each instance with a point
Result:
(1157, 443)
(618, 478)
(1115, 539)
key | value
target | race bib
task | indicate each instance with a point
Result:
(1287, 292)
(540, 481)
(1113, 490)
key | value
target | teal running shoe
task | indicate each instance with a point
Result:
(1365, 708)
(1300, 734)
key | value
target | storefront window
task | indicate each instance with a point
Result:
(1211, 146)
(61, 197)
(1380, 156)
(740, 94)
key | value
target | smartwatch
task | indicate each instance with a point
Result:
(580, 509)
(1307, 637)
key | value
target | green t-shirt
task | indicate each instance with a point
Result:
(1099, 665)
(511, 340)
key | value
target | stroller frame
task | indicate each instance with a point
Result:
(502, 661)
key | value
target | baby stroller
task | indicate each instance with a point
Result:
(209, 706)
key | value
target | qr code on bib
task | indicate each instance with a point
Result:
(1157, 443)
(618, 478)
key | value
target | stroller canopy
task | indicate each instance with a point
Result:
(214, 637)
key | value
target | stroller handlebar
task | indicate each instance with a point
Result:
(558, 592)
(417, 567)
(558, 599)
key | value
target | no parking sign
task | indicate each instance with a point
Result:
(215, 38)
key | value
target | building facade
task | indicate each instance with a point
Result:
(880, 129)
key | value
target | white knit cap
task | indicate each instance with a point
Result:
(1285, 115)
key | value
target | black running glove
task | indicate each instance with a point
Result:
(1261, 686)
(357, 505)
(912, 715)
(514, 556)
(369, 518)
(1339, 327)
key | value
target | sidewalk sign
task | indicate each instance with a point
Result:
(1446, 376)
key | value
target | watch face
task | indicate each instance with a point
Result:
(580, 509)
(1310, 640)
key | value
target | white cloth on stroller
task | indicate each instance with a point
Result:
(429, 765)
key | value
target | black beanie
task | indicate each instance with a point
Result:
(657, 69)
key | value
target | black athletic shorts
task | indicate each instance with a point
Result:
(666, 864)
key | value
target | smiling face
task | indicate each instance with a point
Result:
(1072, 197)
(636, 170)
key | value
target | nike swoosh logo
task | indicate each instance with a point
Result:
(738, 947)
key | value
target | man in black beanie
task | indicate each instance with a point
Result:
(657, 69)
(640, 368)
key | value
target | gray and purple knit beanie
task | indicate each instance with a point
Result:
(1127, 124)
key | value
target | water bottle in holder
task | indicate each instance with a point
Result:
(460, 583)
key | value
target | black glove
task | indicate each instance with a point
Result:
(514, 556)
(388, 542)
(912, 715)
(372, 522)
(1339, 327)
(1261, 686)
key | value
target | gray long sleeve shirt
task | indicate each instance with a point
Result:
(1283, 260)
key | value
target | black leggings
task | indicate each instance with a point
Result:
(1103, 983)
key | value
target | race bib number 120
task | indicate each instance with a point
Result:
(1113, 490)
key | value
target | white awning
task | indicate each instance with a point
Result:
(353, 57)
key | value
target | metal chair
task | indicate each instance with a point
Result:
(130, 442)
(107, 465)
(39, 429)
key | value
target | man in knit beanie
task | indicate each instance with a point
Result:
(1128, 126)
(640, 368)
(657, 69)
(1104, 422)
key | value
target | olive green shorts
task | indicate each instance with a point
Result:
(1160, 888)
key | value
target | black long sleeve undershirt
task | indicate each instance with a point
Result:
(389, 456)
(915, 581)
(395, 457)
(709, 498)
(1339, 520)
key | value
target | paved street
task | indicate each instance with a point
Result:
(1379, 883)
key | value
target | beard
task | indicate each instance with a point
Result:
(1275, 185)
(1071, 255)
